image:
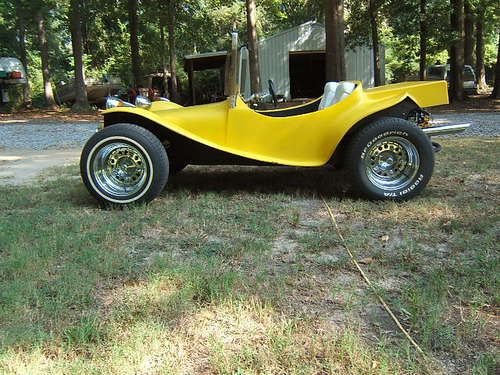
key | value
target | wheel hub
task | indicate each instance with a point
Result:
(391, 163)
(126, 164)
(120, 169)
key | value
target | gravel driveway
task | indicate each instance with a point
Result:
(26, 148)
(485, 124)
(45, 135)
(56, 135)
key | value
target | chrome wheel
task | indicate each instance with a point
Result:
(120, 169)
(391, 163)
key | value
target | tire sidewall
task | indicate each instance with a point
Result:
(391, 127)
(146, 143)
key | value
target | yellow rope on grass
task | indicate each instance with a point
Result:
(367, 280)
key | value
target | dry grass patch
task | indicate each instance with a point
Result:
(238, 271)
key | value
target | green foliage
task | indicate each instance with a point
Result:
(280, 15)
(204, 25)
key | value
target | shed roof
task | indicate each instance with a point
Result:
(301, 27)
(208, 60)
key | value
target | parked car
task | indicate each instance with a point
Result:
(380, 135)
(12, 72)
(97, 90)
(441, 72)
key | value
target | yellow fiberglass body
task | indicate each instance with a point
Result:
(286, 137)
(381, 136)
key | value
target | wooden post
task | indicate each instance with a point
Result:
(191, 83)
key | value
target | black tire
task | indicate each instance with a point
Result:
(390, 158)
(124, 164)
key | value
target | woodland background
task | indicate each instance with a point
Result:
(65, 39)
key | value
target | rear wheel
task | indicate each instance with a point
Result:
(124, 164)
(390, 158)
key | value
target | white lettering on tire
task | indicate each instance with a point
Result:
(407, 190)
(412, 186)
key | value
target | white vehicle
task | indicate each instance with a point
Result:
(11, 73)
(441, 72)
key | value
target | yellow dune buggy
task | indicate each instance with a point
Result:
(380, 135)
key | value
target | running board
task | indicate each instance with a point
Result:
(445, 129)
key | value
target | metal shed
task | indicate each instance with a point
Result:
(296, 57)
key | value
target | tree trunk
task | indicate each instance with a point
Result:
(373, 9)
(469, 34)
(335, 42)
(44, 55)
(253, 46)
(84, 26)
(174, 94)
(423, 40)
(81, 101)
(480, 70)
(133, 20)
(457, 51)
(496, 88)
(163, 60)
(24, 60)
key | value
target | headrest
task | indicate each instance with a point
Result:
(336, 92)
(328, 94)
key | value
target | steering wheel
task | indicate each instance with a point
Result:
(272, 92)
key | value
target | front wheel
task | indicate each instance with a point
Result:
(124, 164)
(390, 158)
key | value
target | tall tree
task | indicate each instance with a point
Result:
(457, 50)
(480, 69)
(23, 55)
(44, 55)
(468, 33)
(133, 20)
(335, 41)
(163, 60)
(373, 11)
(174, 91)
(423, 40)
(496, 88)
(253, 46)
(75, 16)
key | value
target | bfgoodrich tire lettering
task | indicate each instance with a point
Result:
(390, 158)
(124, 164)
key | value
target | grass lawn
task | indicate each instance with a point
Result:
(239, 271)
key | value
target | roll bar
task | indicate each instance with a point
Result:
(234, 81)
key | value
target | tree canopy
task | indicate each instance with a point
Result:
(204, 25)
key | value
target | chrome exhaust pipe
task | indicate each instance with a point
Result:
(445, 129)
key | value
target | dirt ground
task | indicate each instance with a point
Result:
(474, 103)
(24, 166)
(63, 115)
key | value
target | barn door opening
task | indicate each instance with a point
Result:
(307, 74)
